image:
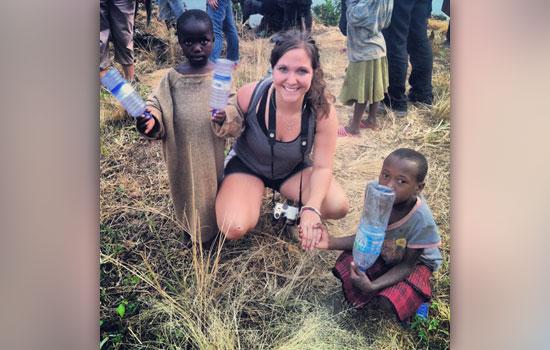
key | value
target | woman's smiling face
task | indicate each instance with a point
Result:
(292, 75)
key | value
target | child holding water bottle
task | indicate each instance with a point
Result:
(400, 277)
(182, 119)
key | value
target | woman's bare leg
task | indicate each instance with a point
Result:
(238, 204)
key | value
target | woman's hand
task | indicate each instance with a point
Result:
(145, 124)
(325, 237)
(219, 116)
(309, 232)
(360, 280)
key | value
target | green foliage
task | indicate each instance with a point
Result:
(121, 309)
(237, 12)
(103, 94)
(433, 332)
(103, 342)
(328, 13)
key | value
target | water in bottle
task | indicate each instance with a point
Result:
(221, 84)
(367, 246)
(369, 239)
(124, 93)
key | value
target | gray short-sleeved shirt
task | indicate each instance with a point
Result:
(416, 230)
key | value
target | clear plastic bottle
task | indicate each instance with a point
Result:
(221, 84)
(124, 92)
(370, 234)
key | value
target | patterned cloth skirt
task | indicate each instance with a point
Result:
(406, 296)
(365, 82)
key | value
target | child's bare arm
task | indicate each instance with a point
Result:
(332, 243)
(398, 273)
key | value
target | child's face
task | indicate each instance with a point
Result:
(197, 42)
(292, 75)
(400, 175)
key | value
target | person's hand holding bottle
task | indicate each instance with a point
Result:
(146, 122)
(219, 116)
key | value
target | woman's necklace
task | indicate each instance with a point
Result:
(289, 125)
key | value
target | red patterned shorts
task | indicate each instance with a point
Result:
(406, 296)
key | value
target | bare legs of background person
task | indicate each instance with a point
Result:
(358, 110)
(128, 71)
(370, 122)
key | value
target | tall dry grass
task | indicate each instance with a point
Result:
(261, 292)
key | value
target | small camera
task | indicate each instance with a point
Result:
(287, 211)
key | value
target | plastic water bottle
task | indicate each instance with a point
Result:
(367, 246)
(221, 84)
(370, 234)
(124, 93)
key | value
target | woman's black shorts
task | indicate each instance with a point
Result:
(236, 165)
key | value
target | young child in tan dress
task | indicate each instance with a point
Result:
(193, 140)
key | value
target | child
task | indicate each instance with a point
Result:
(409, 254)
(366, 78)
(179, 106)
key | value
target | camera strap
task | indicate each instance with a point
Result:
(271, 132)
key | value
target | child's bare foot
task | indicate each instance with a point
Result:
(344, 131)
(367, 124)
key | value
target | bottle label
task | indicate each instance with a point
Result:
(369, 242)
(221, 82)
(125, 90)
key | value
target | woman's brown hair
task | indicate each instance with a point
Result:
(318, 96)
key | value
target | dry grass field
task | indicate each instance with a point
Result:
(158, 291)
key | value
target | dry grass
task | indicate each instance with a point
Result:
(261, 292)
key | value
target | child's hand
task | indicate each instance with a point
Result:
(213, 4)
(219, 116)
(360, 280)
(145, 124)
(325, 237)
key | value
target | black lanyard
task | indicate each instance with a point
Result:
(271, 132)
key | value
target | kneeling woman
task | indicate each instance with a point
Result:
(285, 115)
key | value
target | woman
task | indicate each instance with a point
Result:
(295, 108)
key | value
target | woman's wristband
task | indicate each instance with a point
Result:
(307, 207)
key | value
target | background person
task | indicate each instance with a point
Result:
(366, 78)
(222, 17)
(407, 37)
(116, 24)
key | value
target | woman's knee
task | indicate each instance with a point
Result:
(336, 207)
(235, 229)
(342, 207)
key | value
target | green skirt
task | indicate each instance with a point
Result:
(365, 82)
